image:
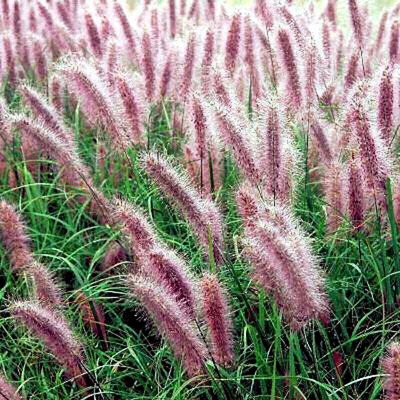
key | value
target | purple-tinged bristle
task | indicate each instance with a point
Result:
(93, 36)
(385, 105)
(203, 215)
(45, 287)
(289, 63)
(8, 391)
(391, 368)
(171, 271)
(51, 328)
(216, 312)
(171, 321)
(356, 21)
(14, 237)
(232, 44)
(148, 66)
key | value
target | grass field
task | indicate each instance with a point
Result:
(259, 259)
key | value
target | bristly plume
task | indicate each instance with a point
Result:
(273, 144)
(373, 153)
(385, 105)
(351, 74)
(116, 255)
(74, 172)
(172, 18)
(93, 36)
(232, 44)
(14, 237)
(394, 42)
(391, 367)
(203, 215)
(170, 271)
(45, 287)
(127, 29)
(136, 226)
(235, 131)
(356, 23)
(92, 315)
(174, 324)
(334, 191)
(132, 102)
(355, 193)
(216, 315)
(289, 63)
(188, 66)
(148, 66)
(321, 140)
(50, 327)
(7, 391)
(282, 259)
(46, 113)
(99, 103)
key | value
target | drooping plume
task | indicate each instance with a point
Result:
(45, 288)
(50, 327)
(282, 259)
(203, 215)
(170, 271)
(173, 323)
(85, 81)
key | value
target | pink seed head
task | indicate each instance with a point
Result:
(232, 44)
(172, 323)
(216, 315)
(14, 237)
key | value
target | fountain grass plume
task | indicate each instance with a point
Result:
(98, 100)
(8, 391)
(374, 154)
(335, 194)
(127, 30)
(132, 100)
(136, 226)
(53, 330)
(356, 194)
(171, 322)
(45, 288)
(233, 44)
(216, 312)
(233, 129)
(289, 64)
(148, 65)
(391, 367)
(188, 66)
(93, 36)
(282, 259)
(44, 111)
(202, 214)
(385, 105)
(74, 172)
(170, 270)
(14, 237)
(294, 282)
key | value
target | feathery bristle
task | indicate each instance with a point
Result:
(216, 314)
(174, 324)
